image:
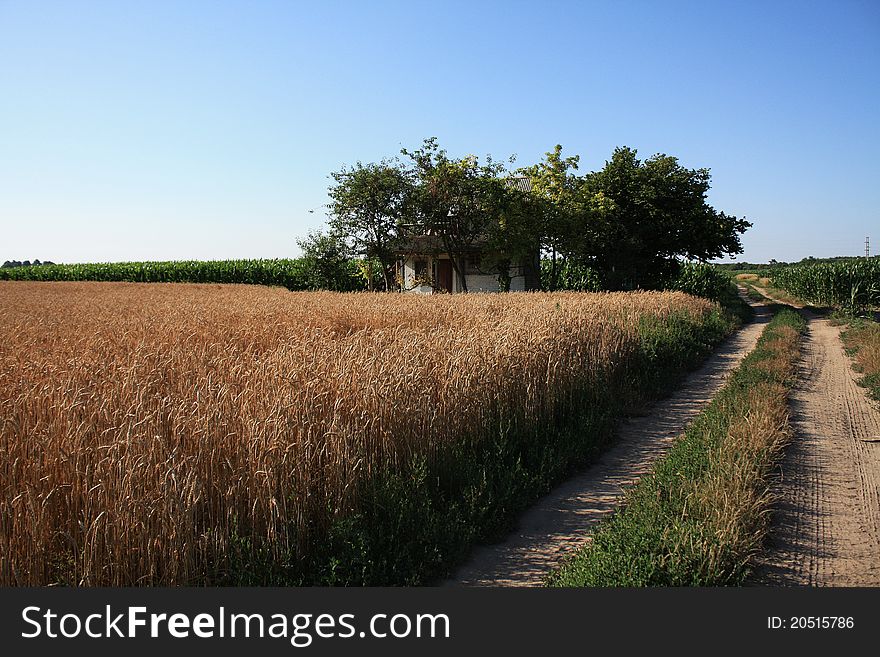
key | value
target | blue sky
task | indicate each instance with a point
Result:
(177, 130)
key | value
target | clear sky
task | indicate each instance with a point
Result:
(177, 130)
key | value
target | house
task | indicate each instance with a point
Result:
(425, 267)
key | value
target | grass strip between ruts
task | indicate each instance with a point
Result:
(862, 341)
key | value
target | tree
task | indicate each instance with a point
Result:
(368, 202)
(459, 200)
(327, 261)
(514, 234)
(554, 188)
(642, 216)
(690, 226)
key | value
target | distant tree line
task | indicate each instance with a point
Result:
(776, 264)
(26, 263)
(626, 226)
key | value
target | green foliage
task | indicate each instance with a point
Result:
(630, 222)
(554, 211)
(700, 280)
(660, 538)
(368, 204)
(640, 216)
(327, 264)
(853, 284)
(677, 343)
(697, 279)
(566, 275)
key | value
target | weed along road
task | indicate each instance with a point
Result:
(826, 528)
(560, 522)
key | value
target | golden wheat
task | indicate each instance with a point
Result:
(144, 425)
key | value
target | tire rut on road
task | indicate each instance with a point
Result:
(826, 521)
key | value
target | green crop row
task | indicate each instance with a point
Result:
(303, 274)
(292, 274)
(701, 280)
(852, 284)
(698, 279)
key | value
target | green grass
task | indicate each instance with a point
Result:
(734, 304)
(754, 295)
(862, 341)
(700, 515)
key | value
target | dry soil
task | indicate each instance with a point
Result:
(826, 521)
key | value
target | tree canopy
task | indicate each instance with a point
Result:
(368, 203)
(639, 216)
(630, 222)
(460, 200)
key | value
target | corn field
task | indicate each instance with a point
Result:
(700, 279)
(852, 284)
(291, 274)
(147, 432)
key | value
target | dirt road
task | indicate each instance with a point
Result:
(826, 527)
(560, 522)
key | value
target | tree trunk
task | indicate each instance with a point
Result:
(532, 272)
(457, 258)
(504, 276)
(459, 271)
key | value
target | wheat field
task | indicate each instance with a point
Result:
(144, 428)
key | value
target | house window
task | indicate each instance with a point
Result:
(420, 271)
(472, 265)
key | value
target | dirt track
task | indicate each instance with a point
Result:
(826, 527)
(560, 522)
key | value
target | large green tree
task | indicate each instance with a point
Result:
(642, 216)
(457, 199)
(367, 204)
(554, 188)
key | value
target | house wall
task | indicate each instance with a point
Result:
(475, 282)
(489, 283)
(481, 282)
(409, 274)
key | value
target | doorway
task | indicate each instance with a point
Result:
(444, 275)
